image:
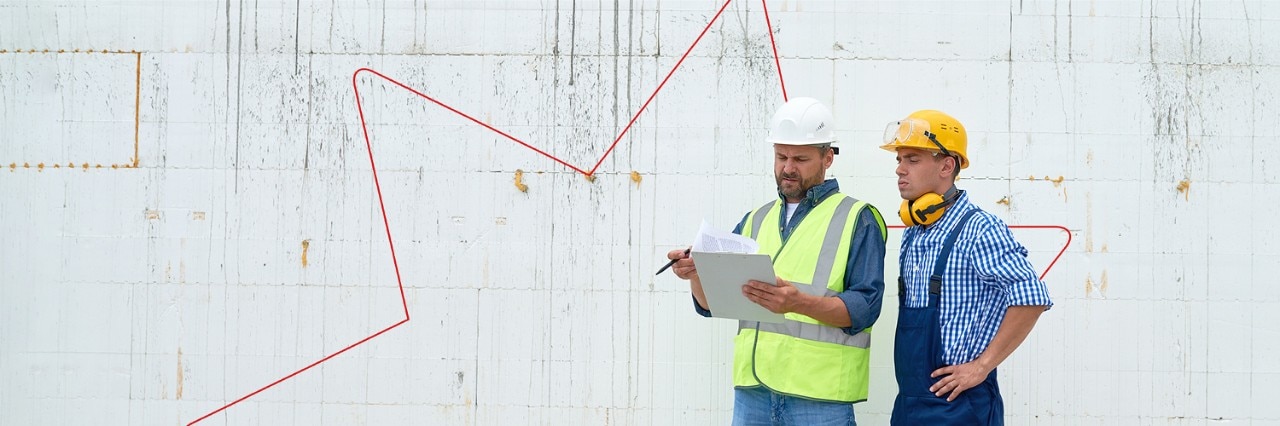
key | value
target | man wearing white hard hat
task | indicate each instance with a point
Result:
(828, 252)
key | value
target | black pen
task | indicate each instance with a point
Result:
(673, 261)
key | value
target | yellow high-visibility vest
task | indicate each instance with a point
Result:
(804, 357)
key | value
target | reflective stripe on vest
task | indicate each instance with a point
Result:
(816, 332)
(758, 219)
(822, 274)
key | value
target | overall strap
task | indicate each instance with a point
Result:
(940, 265)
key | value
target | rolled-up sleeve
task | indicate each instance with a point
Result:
(864, 273)
(1001, 259)
(698, 309)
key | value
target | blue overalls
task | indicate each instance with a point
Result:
(917, 352)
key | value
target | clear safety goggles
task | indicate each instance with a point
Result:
(899, 132)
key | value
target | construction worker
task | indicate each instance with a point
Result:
(967, 294)
(828, 253)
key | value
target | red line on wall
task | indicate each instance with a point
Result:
(1055, 258)
(386, 223)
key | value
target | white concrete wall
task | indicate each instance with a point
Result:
(171, 280)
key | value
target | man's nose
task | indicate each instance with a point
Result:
(901, 171)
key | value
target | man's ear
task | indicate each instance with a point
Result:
(952, 165)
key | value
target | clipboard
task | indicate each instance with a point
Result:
(724, 274)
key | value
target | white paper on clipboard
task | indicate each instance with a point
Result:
(724, 274)
(712, 240)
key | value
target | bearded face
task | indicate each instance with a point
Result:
(798, 168)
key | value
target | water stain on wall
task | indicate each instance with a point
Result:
(1102, 288)
(520, 181)
(306, 244)
(180, 374)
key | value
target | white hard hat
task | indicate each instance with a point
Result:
(801, 121)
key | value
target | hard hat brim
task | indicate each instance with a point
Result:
(799, 143)
(964, 161)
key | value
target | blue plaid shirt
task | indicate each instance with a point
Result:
(988, 272)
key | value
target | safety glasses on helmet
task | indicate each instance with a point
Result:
(900, 132)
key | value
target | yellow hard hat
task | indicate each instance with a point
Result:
(929, 130)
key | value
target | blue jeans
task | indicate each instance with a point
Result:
(761, 407)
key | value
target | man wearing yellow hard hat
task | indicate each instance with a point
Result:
(967, 294)
(828, 252)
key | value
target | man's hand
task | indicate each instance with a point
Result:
(959, 378)
(1018, 321)
(779, 299)
(684, 267)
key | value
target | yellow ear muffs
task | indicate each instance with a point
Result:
(926, 209)
(904, 213)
